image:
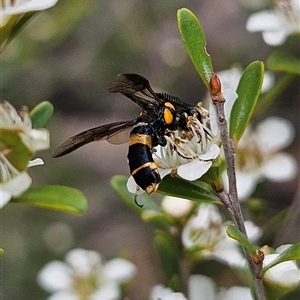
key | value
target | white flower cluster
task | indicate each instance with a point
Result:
(84, 275)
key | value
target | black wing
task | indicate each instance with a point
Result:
(115, 133)
(136, 88)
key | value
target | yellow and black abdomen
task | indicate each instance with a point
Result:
(142, 166)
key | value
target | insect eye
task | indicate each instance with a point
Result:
(168, 116)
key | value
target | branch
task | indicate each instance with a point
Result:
(230, 199)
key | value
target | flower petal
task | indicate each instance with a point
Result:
(164, 172)
(246, 184)
(194, 169)
(237, 293)
(201, 287)
(83, 261)
(119, 270)
(176, 207)
(263, 20)
(230, 97)
(17, 185)
(131, 185)
(110, 291)
(282, 167)
(268, 81)
(286, 273)
(275, 38)
(230, 78)
(25, 6)
(227, 251)
(35, 162)
(55, 276)
(212, 153)
(5, 197)
(275, 133)
(39, 139)
(254, 232)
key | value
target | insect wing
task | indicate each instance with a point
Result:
(115, 133)
(138, 89)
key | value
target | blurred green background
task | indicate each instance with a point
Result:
(68, 55)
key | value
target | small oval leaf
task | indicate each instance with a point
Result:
(55, 197)
(283, 62)
(234, 233)
(193, 190)
(194, 40)
(248, 91)
(41, 114)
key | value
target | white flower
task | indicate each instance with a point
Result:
(85, 275)
(189, 155)
(17, 7)
(33, 139)
(207, 232)
(159, 292)
(284, 275)
(13, 183)
(16, 131)
(258, 155)
(176, 207)
(277, 24)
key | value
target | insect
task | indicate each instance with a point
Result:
(161, 113)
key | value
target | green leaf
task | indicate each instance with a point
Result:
(55, 197)
(193, 190)
(248, 91)
(41, 114)
(169, 258)
(279, 61)
(234, 233)
(119, 182)
(194, 40)
(1, 251)
(292, 253)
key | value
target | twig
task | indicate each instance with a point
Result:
(230, 199)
